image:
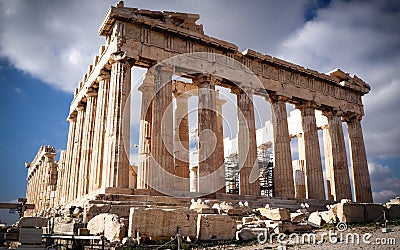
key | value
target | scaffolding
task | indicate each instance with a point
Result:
(265, 164)
(232, 174)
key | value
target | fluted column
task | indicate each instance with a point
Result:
(337, 171)
(68, 158)
(210, 179)
(76, 155)
(220, 159)
(249, 183)
(87, 142)
(117, 140)
(144, 170)
(181, 142)
(99, 131)
(162, 169)
(63, 174)
(314, 176)
(361, 179)
(283, 169)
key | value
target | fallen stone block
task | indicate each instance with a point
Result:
(156, 223)
(298, 217)
(281, 214)
(215, 227)
(69, 228)
(249, 219)
(394, 211)
(33, 222)
(199, 206)
(108, 224)
(250, 233)
(315, 219)
(349, 212)
(373, 212)
(287, 227)
(328, 216)
(30, 235)
(92, 210)
(205, 210)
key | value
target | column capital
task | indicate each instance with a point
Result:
(306, 104)
(146, 88)
(351, 116)
(91, 93)
(121, 57)
(274, 97)
(200, 78)
(332, 112)
(80, 107)
(104, 75)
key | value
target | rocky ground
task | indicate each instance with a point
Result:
(376, 240)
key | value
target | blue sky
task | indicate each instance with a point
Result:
(46, 46)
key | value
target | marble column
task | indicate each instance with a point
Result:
(283, 169)
(76, 155)
(220, 158)
(313, 167)
(62, 175)
(162, 166)
(100, 130)
(337, 171)
(87, 142)
(210, 179)
(249, 183)
(181, 142)
(360, 174)
(68, 157)
(144, 174)
(117, 138)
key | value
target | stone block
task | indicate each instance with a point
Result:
(249, 233)
(315, 219)
(394, 211)
(287, 227)
(298, 217)
(372, 212)
(205, 210)
(68, 228)
(248, 220)
(281, 214)
(108, 224)
(159, 223)
(83, 231)
(29, 247)
(328, 216)
(215, 227)
(12, 236)
(30, 236)
(349, 212)
(33, 222)
(92, 210)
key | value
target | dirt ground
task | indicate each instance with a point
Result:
(368, 238)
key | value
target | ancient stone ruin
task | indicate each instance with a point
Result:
(94, 172)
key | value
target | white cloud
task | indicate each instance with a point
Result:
(384, 184)
(54, 41)
(360, 37)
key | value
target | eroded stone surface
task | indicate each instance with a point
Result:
(108, 224)
(215, 227)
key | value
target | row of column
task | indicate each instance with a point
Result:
(161, 156)
(42, 181)
(337, 174)
(98, 139)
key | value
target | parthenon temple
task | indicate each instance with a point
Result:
(182, 62)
